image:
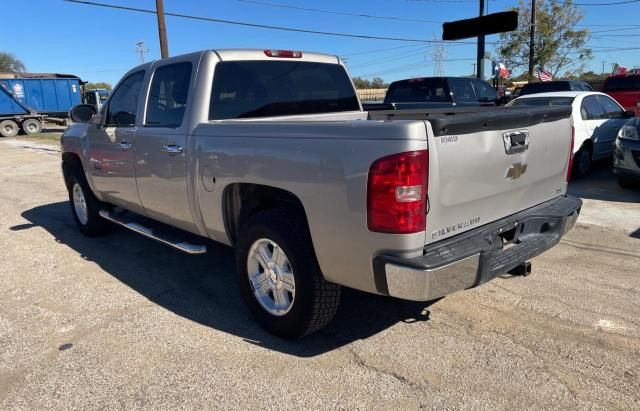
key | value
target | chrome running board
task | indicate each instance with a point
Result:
(154, 234)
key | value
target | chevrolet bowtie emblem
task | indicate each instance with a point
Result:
(516, 170)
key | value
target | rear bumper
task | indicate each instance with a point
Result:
(477, 256)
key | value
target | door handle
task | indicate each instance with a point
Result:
(125, 145)
(172, 149)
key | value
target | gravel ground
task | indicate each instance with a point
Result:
(121, 321)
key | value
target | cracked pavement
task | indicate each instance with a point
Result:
(121, 321)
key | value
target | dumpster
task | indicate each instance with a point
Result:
(50, 95)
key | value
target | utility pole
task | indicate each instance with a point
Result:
(603, 63)
(438, 53)
(162, 29)
(473, 73)
(141, 50)
(480, 55)
(532, 38)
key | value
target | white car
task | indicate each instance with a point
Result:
(597, 118)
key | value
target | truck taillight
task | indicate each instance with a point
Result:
(573, 133)
(397, 193)
(283, 53)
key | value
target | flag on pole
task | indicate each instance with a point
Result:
(543, 75)
(500, 70)
(619, 70)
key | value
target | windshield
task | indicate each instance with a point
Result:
(249, 89)
(544, 87)
(418, 90)
(541, 102)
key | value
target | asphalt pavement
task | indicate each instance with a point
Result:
(121, 321)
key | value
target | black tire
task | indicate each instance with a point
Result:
(582, 167)
(93, 225)
(316, 300)
(628, 182)
(31, 126)
(9, 128)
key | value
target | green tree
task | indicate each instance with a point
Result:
(377, 82)
(10, 64)
(361, 83)
(559, 47)
(101, 84)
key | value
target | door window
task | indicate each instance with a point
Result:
(591, 109)
(462, 90)
(485, 92)
(124, 102)
(611, 108)
(168, 95)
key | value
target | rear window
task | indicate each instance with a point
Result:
(541, 102)
(249, 89)
(418, 90)
(543, 87)
(622, 83)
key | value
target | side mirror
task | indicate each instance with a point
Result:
(82, 113)
(124, 118)
(630, 114)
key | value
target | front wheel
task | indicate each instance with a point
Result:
(279, 276)
(85, 206)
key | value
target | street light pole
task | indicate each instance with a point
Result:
(162, 29)
(480, 55)
(532, 38)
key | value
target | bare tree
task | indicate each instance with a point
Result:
(10, 64)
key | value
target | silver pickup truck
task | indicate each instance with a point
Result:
(269, 151)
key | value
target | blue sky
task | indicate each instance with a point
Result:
(99, 44)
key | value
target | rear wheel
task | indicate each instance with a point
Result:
(582, 162)
(9, 128)
(279, 276)
(31, 126)
(85, 206)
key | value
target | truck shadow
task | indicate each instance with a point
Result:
(203, 288)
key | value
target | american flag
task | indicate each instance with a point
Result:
(543, 75)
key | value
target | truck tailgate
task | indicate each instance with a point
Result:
(488, 165)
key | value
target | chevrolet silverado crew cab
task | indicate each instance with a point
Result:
(269, 151)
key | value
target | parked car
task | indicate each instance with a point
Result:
(626, 157)
(625, 90)
(556, 85)
(270, 152)
(597, 118)
(437, 92)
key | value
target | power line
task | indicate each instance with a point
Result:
(341, 13)
(377, 50)
(262, 26)
(615, 3)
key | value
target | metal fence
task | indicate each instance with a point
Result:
(371, 94)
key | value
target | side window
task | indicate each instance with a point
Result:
(462, 90)
(485, 92)
(124, 101)
(611, 108)
(168, 95)
(591, 109)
